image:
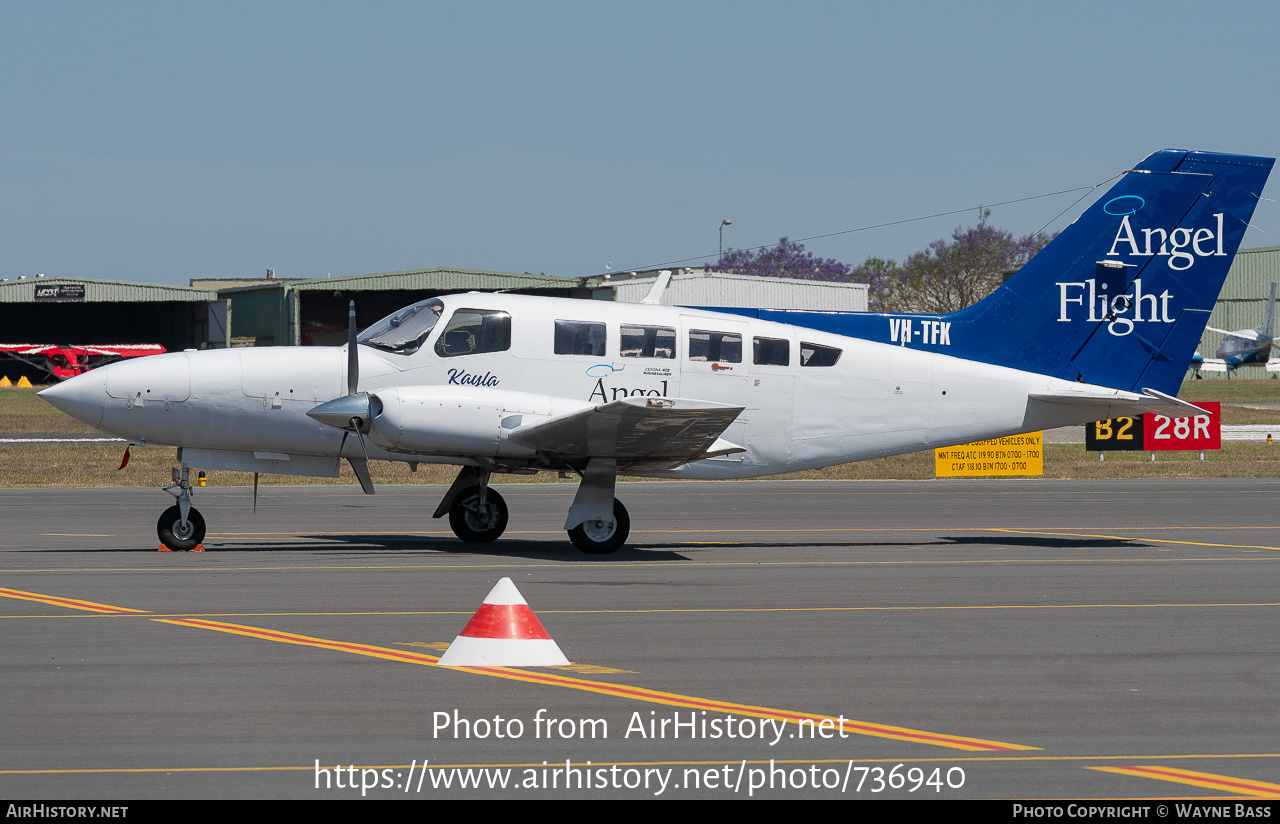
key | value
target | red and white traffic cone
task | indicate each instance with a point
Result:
(504, 632)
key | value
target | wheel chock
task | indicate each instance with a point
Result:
(164, 548)
(197, 548)
(5, 381)
(23, 383)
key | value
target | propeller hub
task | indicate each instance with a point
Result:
(349, 413)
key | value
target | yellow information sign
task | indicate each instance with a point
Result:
(1014, 455)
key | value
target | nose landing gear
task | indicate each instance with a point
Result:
(181, 526)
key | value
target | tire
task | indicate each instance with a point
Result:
(595, 540)
(177, 536)
(469, 524)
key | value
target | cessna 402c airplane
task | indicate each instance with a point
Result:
(1100, 324)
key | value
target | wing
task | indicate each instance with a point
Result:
(1247, 334)
(647, 433)
(1212, 365)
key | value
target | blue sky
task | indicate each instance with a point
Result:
(164, 141)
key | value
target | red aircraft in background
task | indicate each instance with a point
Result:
(67, 361)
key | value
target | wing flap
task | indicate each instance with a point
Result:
(670, 431)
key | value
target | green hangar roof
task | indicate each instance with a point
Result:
(434, 280)
(277, 311)
(86, 290)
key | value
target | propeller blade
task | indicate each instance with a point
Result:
(255, 491)
(361, 467)
(353, 355)
(353, 412)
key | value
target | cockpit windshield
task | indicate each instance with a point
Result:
(404, 332)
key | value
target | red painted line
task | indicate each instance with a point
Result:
(1205, 778)
(274, 635)
(73, 603)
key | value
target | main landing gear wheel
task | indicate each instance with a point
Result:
(475, 524)
(599, 538)
(177, 534)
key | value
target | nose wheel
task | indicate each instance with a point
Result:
(181, 526)
(600, 537)
(180, 534)
(478, 520)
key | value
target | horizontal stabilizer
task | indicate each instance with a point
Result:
(673, 430)
(1112, 403)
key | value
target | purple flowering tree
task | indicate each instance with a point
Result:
(783, 260)
(952, 275)
(947, 276)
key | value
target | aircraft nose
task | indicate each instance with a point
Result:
(80, 397)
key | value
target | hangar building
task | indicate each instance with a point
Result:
(284, 312)
(1243, 304)
(81, 311)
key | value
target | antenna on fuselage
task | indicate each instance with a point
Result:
(659, 286)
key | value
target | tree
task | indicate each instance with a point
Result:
(947, 276)
(882, 278)
(952, 275)
(784, 260)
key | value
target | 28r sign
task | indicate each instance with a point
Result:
(1162, 433)
(1157, 433)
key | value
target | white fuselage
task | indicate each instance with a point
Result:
(246, 408)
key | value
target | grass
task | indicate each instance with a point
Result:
(21, 412)
(73, 465)
(1232, 390)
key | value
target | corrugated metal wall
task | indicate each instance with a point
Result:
(1243, 302)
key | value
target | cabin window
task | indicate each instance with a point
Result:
(725, 347)
(579, 337)
(473, 331)
(815, 354)
(403, 332)
(648, 341)
(771, 351)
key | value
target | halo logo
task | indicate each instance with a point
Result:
(1124, 205)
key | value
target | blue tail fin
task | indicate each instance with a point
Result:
(1120, 298)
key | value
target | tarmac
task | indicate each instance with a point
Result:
(769, 639)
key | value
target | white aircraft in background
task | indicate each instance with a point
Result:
(1098, 325)
(1243, 347)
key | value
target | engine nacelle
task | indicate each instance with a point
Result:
(458, 420)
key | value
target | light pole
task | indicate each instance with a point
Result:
(723, 224)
